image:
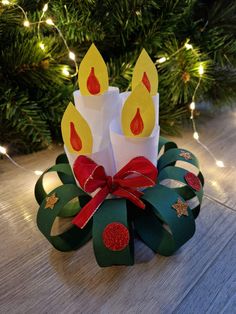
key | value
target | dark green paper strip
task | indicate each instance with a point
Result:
(40, 193)
(166, 143)
(72, 208)
(149, 223)
(170, 157)
(62, 159)
(113, 210)
(178, 174)
(71, 239)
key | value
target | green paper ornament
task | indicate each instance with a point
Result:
(166, 223)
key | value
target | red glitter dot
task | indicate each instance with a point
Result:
(193, 181)
(115, 236)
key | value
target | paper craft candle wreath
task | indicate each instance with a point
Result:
(114, 186)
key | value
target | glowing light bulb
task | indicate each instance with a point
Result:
(65, 72)
(162, 60)
(5, 2)
(196, 135)
(26, 23)
(38, 172)
(188, 46)
(192, 105)
(71, 55)
(220, 163)
(200, 69)
(49, 21)
(42, 46)
(45, 8)
(3, 150)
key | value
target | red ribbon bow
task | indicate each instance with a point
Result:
(138, 173)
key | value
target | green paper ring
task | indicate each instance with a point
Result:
(187, 192)
(150, 225)
(62, 159)
(163, 142)
(74, 237)
(71, 208)
(112, 211)
(170, 157)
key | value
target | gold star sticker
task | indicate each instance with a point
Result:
(51, 201)
(185, 155)
(181, 208)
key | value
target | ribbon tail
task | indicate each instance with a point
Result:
(131, 195)
(90, 208)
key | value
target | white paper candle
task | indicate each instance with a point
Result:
(79, 140)
(103, 157)
(99, 111)
(127, 148)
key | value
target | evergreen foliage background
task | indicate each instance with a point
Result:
(34, 92)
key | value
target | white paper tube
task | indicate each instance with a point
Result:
(99, 111)
(103, 157)
(127, 148)
(155, 99)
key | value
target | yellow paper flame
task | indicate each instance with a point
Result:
(138, 113)
(93, 75)
(76, 132)
(146, 72)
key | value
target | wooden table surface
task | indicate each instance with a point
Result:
(199, 278)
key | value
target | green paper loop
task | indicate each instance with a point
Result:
(187, 192)
(113, 210)
(166, 143)
(151, 223)
(40, 194)
(71, 239)
(176, 173)
(170, 157)
(62, 159)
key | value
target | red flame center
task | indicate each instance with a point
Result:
(93, 84)
(136, 125)
(75, 139)
(146, 81)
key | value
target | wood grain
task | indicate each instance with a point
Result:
(219, 135)
(199, 278)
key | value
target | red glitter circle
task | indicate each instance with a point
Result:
(115, 236)
(193, 181)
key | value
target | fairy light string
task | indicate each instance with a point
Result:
(192, 106)
(50, 22)
(3, 151)
(71, 55)
(45, 8)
